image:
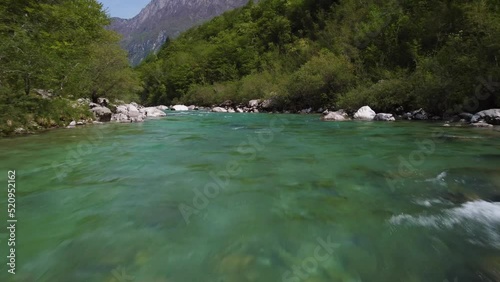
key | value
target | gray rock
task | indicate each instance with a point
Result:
(253, 103)
(306, 111)
(400, 110)
(231, 110)
(139, 118)
(407, 116)
(365, 113)
(122, 109)
(153, 112)
(133, 111)
(162, 108)
(119, 117)
(239, 110)
(19, 130)
(227, 104)
(72, 124)
(83, 101)
(419, 114)
(491, 116)
(219, 110)
(193, 108)
(266, 104)
(102, 114)
(136, 105)
(93, 105)
(103, 102)
(335, 116)
(384, 117)
(122, 118)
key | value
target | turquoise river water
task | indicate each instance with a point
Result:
(215, 197)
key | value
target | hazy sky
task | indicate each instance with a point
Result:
(124, 8)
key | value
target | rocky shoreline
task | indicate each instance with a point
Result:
(485, 118)
(120, 112)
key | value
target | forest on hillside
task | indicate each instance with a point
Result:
(391, 54)
(61, 49)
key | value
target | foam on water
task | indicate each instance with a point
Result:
(477, 217)
(440, 179)
(429, 202)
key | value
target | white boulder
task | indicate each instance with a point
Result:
(153, 112)
(365, 113)
(180, 108)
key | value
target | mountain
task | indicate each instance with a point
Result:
(161, 19)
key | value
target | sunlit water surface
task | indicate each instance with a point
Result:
(255, 197)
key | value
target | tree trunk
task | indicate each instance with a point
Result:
(94, 96)
(27, 84)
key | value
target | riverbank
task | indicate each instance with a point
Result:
(118, 111)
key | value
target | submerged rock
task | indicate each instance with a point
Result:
(365, 113)
(491, 266)
(219, 110)
(481, 124)
(335, 116)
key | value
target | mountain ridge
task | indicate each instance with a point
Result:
(149, 29)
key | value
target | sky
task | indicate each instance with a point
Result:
(124, 8)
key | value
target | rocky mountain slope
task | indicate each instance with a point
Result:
(161, 19)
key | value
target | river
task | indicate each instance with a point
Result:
(255, 197)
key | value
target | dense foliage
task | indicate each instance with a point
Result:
(347, 53)
(59, 46)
